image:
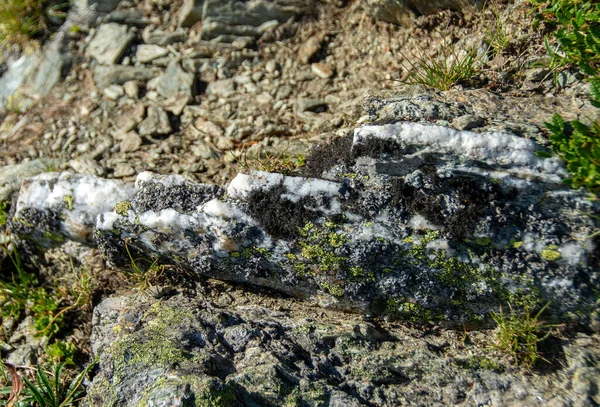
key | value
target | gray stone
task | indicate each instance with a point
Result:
(104, 6)
(14, 77)
(202, 150)
(161, 38)
(53, 66)
(123, 170)
(537, 74)
(255, 355)
(468, 122)
(146, 53)
(322, 70)
(176, 103)
(129, 118)
(174, 81)
(11, 176)
(190, 12)
(221, 88)
(155, 123)
(114, 92)
(311, 105)
(87, 166)
(283, 92)
(132, 89)
(405, 11)
(105, 76)
(130, 142)
(109, 43)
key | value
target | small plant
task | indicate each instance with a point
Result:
(47, 389)
(519, 335)
(61, 352)
(448, 70)
(268, 161)
(143, 277)
(22, 20)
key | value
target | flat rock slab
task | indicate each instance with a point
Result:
(11, 176)
(109, 43)
(177, 350)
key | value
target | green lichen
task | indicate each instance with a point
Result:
(122, 207)
(481, 363)
(334, 289)
(69, 201)
(409, 311)
(551, 253)
(217, 395)
(515, 244)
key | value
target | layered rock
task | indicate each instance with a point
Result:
(411, 221)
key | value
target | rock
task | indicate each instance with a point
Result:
(536, 74)
(190, 12)
(146, 53)
(52, 67)
(175, 80)
(16, 74)
(311, 105)
(105, 76)
(241, 352)
(123, 170)
(53, 207)
(87, 166)
(405, 11)
(202, 150)
(490, 200)
(422, 108)
(130, 142)
(109, 43)
(283, 92)
(132, 89)
(233, 18)
(468, 122)
(223, 88)
(322, 70)
(309, 48)
(161, 38)
(11, 176)
(176, 103)
(208, 128)
(271, 66)
(104, 6)
(129, 118)
(114, 92)
(155, 123)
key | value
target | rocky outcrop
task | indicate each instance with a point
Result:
(225, 348)
(404, 220)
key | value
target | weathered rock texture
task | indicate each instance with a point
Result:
(410, 221)
(216, 351)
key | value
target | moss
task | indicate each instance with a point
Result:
(122, 207)
(402, 309)
(217, 394)
(551, 253)
(69, 201)
(481, 363)
(515, 244)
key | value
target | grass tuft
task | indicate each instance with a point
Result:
(519, 335)
(23, 20)
(451, 68)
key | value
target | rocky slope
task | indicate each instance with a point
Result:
(413, 228)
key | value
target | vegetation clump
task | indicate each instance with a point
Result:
(519, 335)
(23, 20)
(577, 39)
